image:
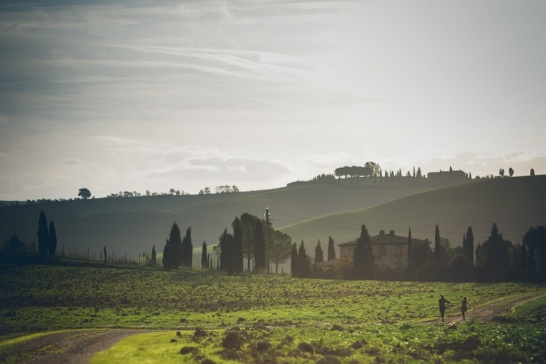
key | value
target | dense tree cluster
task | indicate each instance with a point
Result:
(176, 252)
(494, 260)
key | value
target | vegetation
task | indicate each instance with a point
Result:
(265, 317)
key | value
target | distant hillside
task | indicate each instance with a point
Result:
(134, 224)
(515, 204)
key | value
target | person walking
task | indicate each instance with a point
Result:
(464, 306)
(442, 303)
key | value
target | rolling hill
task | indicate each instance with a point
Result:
(514, 204)
(307, 212)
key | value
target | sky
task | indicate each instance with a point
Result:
(153, 95)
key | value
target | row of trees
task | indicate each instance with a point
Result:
(494, 260)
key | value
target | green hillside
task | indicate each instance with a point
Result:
(515, 204)
(133, 225)
(307, 212)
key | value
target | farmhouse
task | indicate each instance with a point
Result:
(447, 175)
(389, 250)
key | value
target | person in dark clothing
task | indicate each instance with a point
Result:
(442, 303)
(464, 306)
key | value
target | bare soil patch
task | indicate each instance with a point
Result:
(75, 347)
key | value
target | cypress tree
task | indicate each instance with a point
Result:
(468, 248)
(439, 253)
(187, 250)
(52, 239)
(237, 246)
(172, 252)
(410, 249)
(331, 249)
(43, 235)
(304, 267)
(153, 260)
(319, 256)
(226, 252)
(294, 261)
(363, 257)
(204, 256)
(259, 247)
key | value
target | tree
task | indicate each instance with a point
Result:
(52, 239)
(43, 235)
(14, 244)
(510, 171)
(319, 255)
(410, 249)
(294, 260)
(173, 249)
(281, 245)
(532, 173)
(84, 193)
(259, 247)
(363, 263)
(204, 256)
(331, 249)
(468, 247)
(495, 257)
(248, 224)
(440, 253)
(501, 172)
(153, 260)
(186, 251)
(304, 266)
(535, 239)
(226, 252)
(237, 246)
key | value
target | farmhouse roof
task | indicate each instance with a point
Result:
(383, 239)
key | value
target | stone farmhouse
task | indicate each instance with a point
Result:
(389, 250)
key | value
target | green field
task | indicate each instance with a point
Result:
(256, 318)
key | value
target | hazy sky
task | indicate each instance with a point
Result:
(134, 95)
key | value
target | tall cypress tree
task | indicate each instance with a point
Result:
(224, 248)
(410, 249)
(319, 255)
(331, 249)
(304, 267)
(237, 246)
(187, 250)
(204, 256)
(172, 253)
(259, 247)
(439, 253)
(153, 260)
(52, 239)
(468, 247)
(497, 259)
(43, 235)
(294, 261)
(363, 258)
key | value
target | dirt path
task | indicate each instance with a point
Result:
(492, 309)
(75, 347)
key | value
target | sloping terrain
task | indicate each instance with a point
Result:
(514, 204)
(306, 212)
(133, 225)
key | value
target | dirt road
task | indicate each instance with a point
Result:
(75, 347)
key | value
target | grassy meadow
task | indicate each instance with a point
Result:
(194, 316)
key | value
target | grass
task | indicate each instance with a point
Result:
(276, 318)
